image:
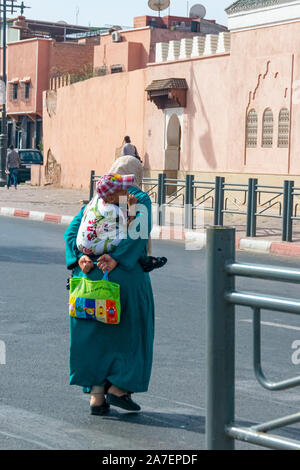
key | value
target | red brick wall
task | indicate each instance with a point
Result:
(69, 57)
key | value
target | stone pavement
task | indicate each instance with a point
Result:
(59, 205)
(44, 199)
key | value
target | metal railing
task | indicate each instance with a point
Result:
(251, 201)
(222, 299)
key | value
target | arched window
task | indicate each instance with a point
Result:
(252, 122)
(283, 128)
(268, 127)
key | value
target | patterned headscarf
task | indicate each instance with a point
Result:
(110, 184)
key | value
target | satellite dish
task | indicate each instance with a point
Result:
(198, 11)
(158, 5)
(62, 22)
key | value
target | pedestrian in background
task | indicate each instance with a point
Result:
(129, 149)
(13, 164)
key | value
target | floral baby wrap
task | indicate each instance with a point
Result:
(102, 228)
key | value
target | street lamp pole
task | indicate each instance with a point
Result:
(4, 5)
(3, 136)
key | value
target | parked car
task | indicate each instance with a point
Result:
(28, 158)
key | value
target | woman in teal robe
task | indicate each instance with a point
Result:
(122, 354)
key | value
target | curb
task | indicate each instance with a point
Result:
(194, 240)
(36, 216)
(268, 247)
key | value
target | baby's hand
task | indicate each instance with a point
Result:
(132, 200)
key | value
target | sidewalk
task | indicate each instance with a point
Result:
(57, 205)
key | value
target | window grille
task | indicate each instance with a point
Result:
(252, 123)
(27, 91)
(268, 127)
(283, 128)
(116, 68)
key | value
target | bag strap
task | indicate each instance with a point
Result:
(105, 277)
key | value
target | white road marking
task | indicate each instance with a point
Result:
(276, 325)
(176, 402)
(20, 438)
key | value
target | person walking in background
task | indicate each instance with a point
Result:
(129, 149)
(13, 163)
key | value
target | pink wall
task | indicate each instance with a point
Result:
(127, 54)
(201, 150)
(38, 59)
(264, 77)
(108, 52)
(262, 71)
(23, 62)
(104, 110)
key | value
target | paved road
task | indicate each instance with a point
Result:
(38, 409)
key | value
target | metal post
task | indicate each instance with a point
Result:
(92, 184)
(220, 391)
(219, 200)
(189, 203)
(3, 136)
(252, 207)
(289, 227)
(217, 190)
(249, 208)
(161, 199)
(288, 201)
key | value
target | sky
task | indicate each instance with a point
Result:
(120, 12)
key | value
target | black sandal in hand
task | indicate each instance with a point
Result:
(149, 263)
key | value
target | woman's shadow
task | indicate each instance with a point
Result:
(187, 422)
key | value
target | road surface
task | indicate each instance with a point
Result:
(39, 410)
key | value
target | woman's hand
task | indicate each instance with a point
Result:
(86, 264)
(106, 263)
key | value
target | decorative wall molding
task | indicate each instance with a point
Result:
(267, 14)
(198, 46)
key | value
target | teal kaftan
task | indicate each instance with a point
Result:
(121, 354)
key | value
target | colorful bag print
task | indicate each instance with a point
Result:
(95, 300)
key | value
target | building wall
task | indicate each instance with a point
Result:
(87, 126)
(69, 57)
(261, 71)
(127, 54)
(91, 102)
(22, 62)
(203, 129)
(109, 53)
(267, 76)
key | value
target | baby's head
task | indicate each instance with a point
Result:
(111, 188)
(115, 197)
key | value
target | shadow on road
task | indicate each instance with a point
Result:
(164, 420)
(32, 255)
(185, 422)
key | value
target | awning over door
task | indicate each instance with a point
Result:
(168, 93)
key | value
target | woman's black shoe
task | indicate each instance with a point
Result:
(100, 410)
(149, 263)
(125, 402)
